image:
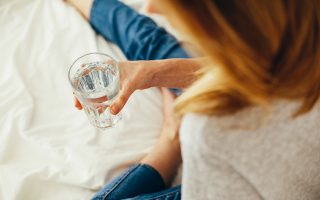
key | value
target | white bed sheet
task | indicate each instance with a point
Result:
(48, 150)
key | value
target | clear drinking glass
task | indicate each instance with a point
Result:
(95, 79)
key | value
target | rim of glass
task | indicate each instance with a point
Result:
(87, 54)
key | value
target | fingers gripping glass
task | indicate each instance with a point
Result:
(95, 79)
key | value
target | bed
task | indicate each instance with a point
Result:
(48, 150)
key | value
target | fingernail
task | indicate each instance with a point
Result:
(113, 109)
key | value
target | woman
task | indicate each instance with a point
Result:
(254, 132)
(141, 39)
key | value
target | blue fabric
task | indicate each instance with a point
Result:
(139, 182)
(137, 35)
(168, 194)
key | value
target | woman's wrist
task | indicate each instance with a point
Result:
(149, 71)
(175, 73)
(155, 71)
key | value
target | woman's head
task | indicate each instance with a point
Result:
(258, 51)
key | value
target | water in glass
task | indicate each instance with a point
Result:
(96, 85)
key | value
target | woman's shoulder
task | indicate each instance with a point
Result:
(253, 145)
(253, 124)
(258, 145)
(254, 118)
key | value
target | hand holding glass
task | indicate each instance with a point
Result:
(95, 79)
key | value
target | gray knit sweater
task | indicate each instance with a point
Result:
(252, 155)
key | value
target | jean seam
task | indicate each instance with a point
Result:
(121, 179)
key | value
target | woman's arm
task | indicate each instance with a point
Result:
(165, 156)
(177, 73)
(138, 75)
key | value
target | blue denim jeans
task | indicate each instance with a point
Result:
(138, 182)
(136, 35)
(139, 38)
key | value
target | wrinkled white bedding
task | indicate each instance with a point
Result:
(48, 150)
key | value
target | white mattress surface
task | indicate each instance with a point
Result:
(48, 149)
